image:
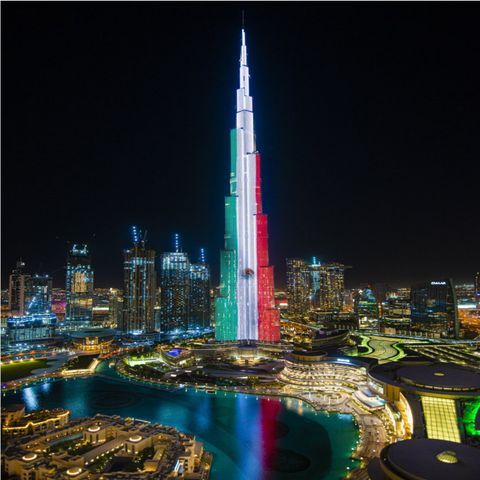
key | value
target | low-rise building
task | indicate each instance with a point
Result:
(106, 447)
(16, 423)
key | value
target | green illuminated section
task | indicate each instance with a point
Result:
(226, 302)
(401, 353)
(233, 162)
(365, 343)
(469, 416)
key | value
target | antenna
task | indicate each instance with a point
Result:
(135, 234)
(243, 18)
(177, 242)
(202, 255)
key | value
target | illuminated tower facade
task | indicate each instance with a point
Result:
(175, 290)
(434, 308)
(79, 288)
(17, 289)
(298, 287)
(139, 286)
(245, 308)
(332, 286)
(39, 294)
(199, 316)
(477, 289)
(315, 270)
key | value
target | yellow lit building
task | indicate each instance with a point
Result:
(38, 421)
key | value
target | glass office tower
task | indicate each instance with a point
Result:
(174, 290)
(39, 294)
(199, 317)
(79, 288)
(140, 283)
(17, 289)
(433, 308)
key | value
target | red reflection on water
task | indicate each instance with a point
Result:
(269, 410)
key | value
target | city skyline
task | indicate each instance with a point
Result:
(404, 215)
(142, 143)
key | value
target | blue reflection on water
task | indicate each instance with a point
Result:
(29, 396)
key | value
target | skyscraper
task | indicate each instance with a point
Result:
(298, 287)
(175, 290)
(477, 288)
(199, 316)
(332, 286)
(315, 270)
(37, 322)
(433, 308)
(17, 289)
(366, 306)
(139, 287)
(245, 307)
(79, 288)
(39, 294)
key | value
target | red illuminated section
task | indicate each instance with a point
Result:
(268, 315)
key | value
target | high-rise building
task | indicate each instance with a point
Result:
(199, 316)
(397, 305)
(477, 288)
(298, 287)
(245, 308)
(332, 286)
(115, 308)
(366, 307)
(175, 290)
(139, 287)
(17, 289)
(315, 270)
(434, 308)
(39, 294)
(79, 288)
(59, 303)
(37, 322)
(465, 294)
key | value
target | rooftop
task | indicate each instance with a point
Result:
(429, 377)
(440, 375)
(93, 332)
(424, 459)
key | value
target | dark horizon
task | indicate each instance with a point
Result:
(118, 114)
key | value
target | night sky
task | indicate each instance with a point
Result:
(367, 119)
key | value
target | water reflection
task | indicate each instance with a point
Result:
(247, 431)
(251, 438)
(270, 411)
(29, 396)
(46, 387)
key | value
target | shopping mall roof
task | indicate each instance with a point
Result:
(425, 459)
(93, 332)
(442, 375)
(429, 377)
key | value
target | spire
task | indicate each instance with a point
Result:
(243, 52)
(176, 240)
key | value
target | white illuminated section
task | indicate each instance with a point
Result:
(246, 207)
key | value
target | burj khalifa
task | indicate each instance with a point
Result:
(245, 307)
